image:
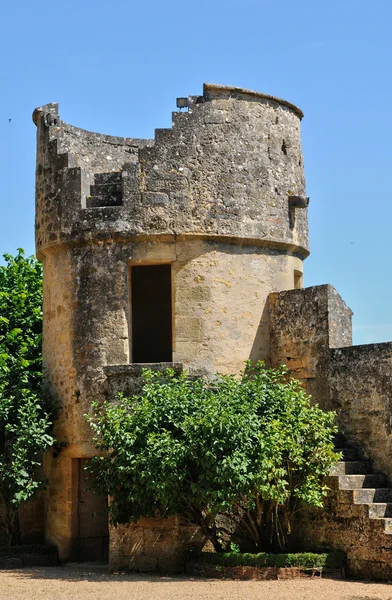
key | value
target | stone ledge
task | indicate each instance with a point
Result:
(212, 89)
(101, 216)
(362, 351)
(135, 369)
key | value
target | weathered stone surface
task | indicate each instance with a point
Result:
(311, 333)
(210, 197)
(304, 325)
(346, 526)
(221, 198)
(234, 154)
(361, 393)
(153, 545)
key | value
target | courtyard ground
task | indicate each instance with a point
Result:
(52, 583)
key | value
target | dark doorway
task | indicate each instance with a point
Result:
(151, 299)
(92, 516)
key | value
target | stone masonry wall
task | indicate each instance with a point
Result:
(344, 525)
(311, 334)
(219, 303)
(220, 196)
(360, 379)
(304, 324)
(153, 545)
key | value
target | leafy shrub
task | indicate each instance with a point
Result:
(307, 560)
(24, 417)
(251, 447)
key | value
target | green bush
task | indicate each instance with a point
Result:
(251, 447)
(307, 560)
(25, 422)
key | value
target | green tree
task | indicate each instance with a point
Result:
(250, 447)
(25, 421)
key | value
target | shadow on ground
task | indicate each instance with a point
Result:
(100, 574)
(96, 575)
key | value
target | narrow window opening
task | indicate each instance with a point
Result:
(151, 299)
(298, 280)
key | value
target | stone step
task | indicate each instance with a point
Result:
(97, 201)
(354, 482)
(388, 526)
(348, 453)
(352, 467)
(380, 509)
(179, 118)
(165, 135)
(386, 523)
(372, 495)
(106, 189)
(104, 178)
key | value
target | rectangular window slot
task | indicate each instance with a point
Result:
(151, 308)
(298, 280)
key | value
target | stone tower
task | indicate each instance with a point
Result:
(159, 251)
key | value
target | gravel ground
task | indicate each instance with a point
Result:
(71, 584)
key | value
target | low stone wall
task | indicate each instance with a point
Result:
(360, 383)
(17, 557)
(153, 545)
(259, 573)
(128, 379)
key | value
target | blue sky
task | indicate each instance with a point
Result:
(117, 67)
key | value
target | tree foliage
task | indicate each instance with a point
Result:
(24, 418)
(251, 447)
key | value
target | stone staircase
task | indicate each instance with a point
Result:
(367, 488)
(356, 518)
(106, 191)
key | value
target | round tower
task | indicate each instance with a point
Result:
(160, 251)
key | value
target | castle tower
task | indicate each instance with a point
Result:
(158, 251)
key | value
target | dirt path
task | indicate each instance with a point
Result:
(67, 584)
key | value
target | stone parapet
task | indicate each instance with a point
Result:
(311, 334)
(226, 169)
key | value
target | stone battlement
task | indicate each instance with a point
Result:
(226, 169)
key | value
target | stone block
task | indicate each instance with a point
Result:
(147, 563)
(155, 198)
(188, 329)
